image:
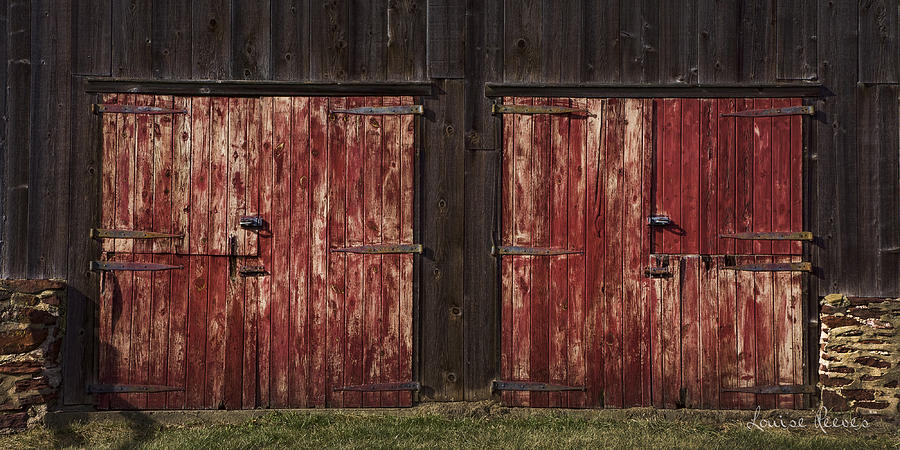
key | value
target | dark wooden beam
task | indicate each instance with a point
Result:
(648, 91)
(254, 88)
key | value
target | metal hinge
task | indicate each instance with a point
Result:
(101, 108)
(381, 387)
(253, 271)
(102, 233)
(499, 385)
(381, 249)
(775, 389)
(772, 112)
(130, 266)
(119, 388)
(772, 267)
(772, 236)
(515, 250)
(536, 109)
(382, 110)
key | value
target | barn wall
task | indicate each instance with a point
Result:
(49, 155)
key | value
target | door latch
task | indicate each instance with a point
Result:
(659, 221)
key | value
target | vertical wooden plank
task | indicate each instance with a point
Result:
(559, 196)
(670, 330)
(781, 176)
(215, 335)
(125, 168)
(763, 210)
(131, 56)
(507, 224)
(91, 33)
(200, 177)
(639, 33)
(709, 338)
(318, 247)
(795, 182)
(756, 50)
(329, 40)
(299, 259)
(690, 331)
(250, 367)
(798, 341)
(446, 41)
(709, 170)
(211, 39)
(727, 351)
(139, 341)
(719, 25)
(368, 43)
(390, 264)
(726, 176)
(670, 175)
(562, 40)
(143, 175)
(163, 156)
(613, 190)
(108, 180)
(182, 174)
(337, 189)
(218, 172)
(633, 230)
(539, 367)
(407, 205)
(690, 176)
(406, 29)
(765, 321)
(678, 49)
(196, 331)
(522, 46)
(647, 299)
(289, 39)
(783, 331)
(266, 172)
(656, 296)
(280, 330)
(879, 42)
(523, 234)
(795, 28)
(602, 41)
(119, 349)
(745, 332)
(158, 348)
(372, 193)
(236, 206)
(356, 293)
(251, 40)
(180, 282)
(744, 181)
(170, 45)
(585, 366)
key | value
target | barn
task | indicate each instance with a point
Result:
(560, 203)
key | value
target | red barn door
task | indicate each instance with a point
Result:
(286, 315)
(601, 309)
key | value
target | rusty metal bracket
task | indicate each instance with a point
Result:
(499, 385)
(102, 108)
(772, 267)
(773, 112)
(102, 233)
(659, 221)
(252, 223)
(117, 388)
(381, 387)
(657, 272)
(253, 271)
(775, 389)
(537, 109)
(772, 236)
(379, 249)
(382, 110)
(514, 250)
(130, 266)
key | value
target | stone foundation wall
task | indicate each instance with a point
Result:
(31, 330)
(859, 354)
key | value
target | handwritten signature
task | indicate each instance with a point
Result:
(821, 421)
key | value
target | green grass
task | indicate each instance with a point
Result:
(430, 429)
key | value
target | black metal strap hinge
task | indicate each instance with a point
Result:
(130, 266)
(775, 389)
(536, 109)
(771, 236)
(533, 386)
(100, 108)
(378, 249)
(120, 388)
(102, 233)
(773, 112)
(382, 110)
(381, 387)
(772, 267)
(531, 251)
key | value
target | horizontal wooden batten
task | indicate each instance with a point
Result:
(773, 267)
(237, 88)
(651, 91)
(514, 250)
(380, 387)
(382, 110)
(100, 108)
(102, 233)
(131, 266)
(531, 386)
(771, 236)
(381, 249)
(807, 110)
(122, 388)
(775, 389)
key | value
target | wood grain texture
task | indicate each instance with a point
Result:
(879, 42)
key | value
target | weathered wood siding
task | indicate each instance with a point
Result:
(49, 145)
